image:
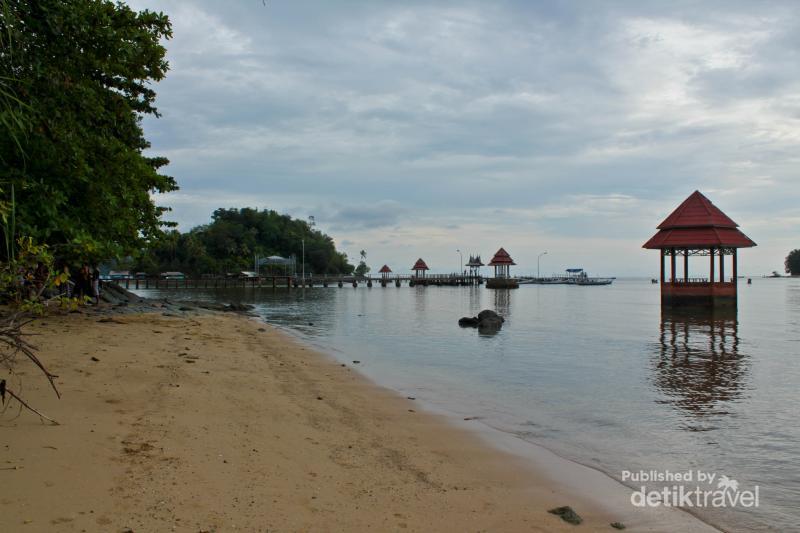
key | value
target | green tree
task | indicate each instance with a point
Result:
(792, 263)
(80, 73)
(362, 269)
(232, 239)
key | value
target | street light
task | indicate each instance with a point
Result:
(537, 263)
(461, 267)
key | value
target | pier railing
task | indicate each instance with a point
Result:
(292, 281)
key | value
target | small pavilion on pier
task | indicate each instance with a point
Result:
(502, 279)
(474, 265)
(419, 268)
(698, 228)
(384, 272)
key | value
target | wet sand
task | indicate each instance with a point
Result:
(219, 423)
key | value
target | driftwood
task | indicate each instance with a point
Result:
(14, 345)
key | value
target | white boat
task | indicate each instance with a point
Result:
(574, 276)
(593, 281)
(578, 276)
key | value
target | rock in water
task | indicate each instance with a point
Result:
(490, 325)
(489, 314)
(567, 514)
(487, 322)
(468, 322)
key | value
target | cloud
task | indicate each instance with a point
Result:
(410, 128)
(379, 215)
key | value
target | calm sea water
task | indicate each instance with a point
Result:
(597, 374)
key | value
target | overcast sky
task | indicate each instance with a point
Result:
(413, 129)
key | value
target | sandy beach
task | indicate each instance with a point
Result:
(218, 423)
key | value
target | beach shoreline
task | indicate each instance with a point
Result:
(212, 422)
(603, 490)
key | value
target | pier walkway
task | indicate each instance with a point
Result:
(445, 280)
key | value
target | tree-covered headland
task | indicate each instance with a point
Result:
(235, 237)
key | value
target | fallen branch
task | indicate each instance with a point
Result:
(12, 344)
(12, 337)
(24, 404)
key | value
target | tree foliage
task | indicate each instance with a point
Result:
(233, 239)
(362, 269)
(792, 263)
(75, 82)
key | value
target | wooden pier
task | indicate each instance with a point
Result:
(273, 282)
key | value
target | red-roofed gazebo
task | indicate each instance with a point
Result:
(385, 271)
(698, 228)
(502, 263)
(419, 268)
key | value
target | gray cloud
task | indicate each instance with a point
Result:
(430, 116)
(379, 215)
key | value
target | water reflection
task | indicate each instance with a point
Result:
(698, 367)
(502, 302)
(474, 295)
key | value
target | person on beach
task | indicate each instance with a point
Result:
(65, 289)
(40, 275)
(83, 283)
(96, 284)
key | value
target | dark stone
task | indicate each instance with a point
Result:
(468, 322)
(95, 359)
(184, 308)
(356, 362)
(490, 325)
(488, 313)
(617, 525)
(238, 308)
(488, 322)
(567, 514)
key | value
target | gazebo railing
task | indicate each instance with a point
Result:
(695, 281)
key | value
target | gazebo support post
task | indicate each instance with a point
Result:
(672, 264)
(663, 267)
(686, 265)
(711, 266)
(735, 267)
(721, 265)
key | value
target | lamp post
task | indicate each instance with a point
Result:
(537, 263)
(461, 264)
(303, 242)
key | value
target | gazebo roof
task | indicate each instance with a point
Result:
(385, 269)
(420, 265)
(698, 223)
(474, 261)
(501, 258)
